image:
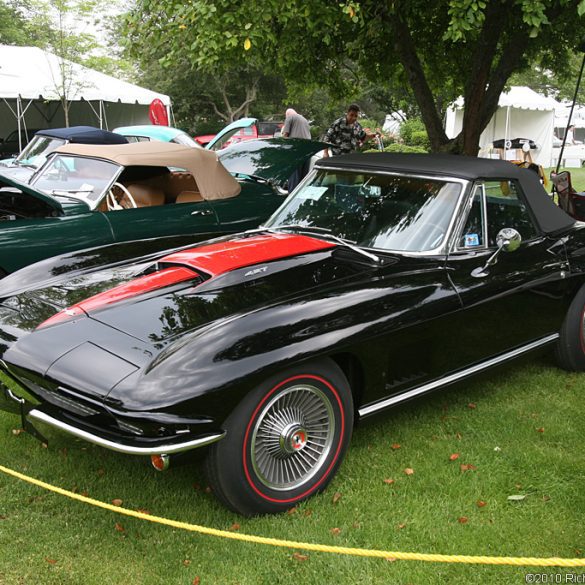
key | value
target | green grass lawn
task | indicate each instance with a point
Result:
(519, 431)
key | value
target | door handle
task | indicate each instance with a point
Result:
(202, 212)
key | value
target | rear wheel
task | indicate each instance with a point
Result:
(284, 441)
(570, 350)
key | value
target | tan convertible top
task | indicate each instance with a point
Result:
(213, 180)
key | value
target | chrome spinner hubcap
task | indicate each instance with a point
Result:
(292, 437)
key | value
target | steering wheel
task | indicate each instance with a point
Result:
(114, 203)
(433, 228)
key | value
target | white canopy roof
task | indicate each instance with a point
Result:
(522, 98)
(32, 73)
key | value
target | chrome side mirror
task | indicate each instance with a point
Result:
(507, 240)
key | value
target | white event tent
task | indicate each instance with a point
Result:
(521, 113)
(31, 81)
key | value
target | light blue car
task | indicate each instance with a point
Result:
(147, 132)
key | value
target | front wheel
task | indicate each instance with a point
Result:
(284, 441)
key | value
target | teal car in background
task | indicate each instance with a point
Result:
(86, 196)
(149, 132)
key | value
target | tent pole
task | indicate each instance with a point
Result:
(19, 118)
(506, 133)
(581, 48)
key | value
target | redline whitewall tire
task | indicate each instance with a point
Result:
(285, 440)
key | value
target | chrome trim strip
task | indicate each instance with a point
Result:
(371, 408)
(121, 448)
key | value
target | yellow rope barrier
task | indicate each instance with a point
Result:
(340, 550)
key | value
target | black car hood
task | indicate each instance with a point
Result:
(183, 290)
(272, 159)
(117, 320)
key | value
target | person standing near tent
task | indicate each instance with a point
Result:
(296, 126)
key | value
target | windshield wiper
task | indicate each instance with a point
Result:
(324, 234)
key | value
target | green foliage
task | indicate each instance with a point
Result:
(456, 44)
(410, 127)
(421, 138)
(408, 148)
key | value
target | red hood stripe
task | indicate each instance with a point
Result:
(138, 286)
(222, 257)
(214, 259)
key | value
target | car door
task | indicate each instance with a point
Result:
(197, 218)
(518, 301)
(254, 205)
(26, 241)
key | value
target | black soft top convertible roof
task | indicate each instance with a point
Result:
(549, 216)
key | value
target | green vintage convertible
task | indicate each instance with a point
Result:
(87, 195)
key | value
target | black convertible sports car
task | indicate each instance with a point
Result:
(381, 278)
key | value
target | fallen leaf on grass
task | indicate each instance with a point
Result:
(388, 481)
(517, 498)
(50, 561)
(472, 405)
(235, 526)
(119, 527)
(299, 557)
(540, 430)
(401, 526)
(117, 502)
(462, 520)
(481, 504)
(143, 511)
(454, 457)
(390, 559)
(409, 471)
(467, 467)
(292, 511)
(395, 446)
(336, 497)
(196, 581)
(186, 562)
(335, 531)
(17, 432)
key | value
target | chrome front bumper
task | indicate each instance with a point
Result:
(168, 448)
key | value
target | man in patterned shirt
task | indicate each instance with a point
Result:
(346, 134)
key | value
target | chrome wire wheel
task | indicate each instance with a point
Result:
(292, 437)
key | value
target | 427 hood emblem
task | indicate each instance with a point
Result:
(256, 271)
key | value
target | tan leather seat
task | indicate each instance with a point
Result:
(146, 195)
(189, 197)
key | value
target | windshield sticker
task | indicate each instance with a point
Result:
(312, 192)
(471, 240)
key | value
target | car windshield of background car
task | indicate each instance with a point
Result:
(385, 212)
(185, 140)
(36, 151)
(83, 178)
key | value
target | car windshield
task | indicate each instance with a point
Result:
(384, 212)
(79, 177)
(185, 140)
(36, 151)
